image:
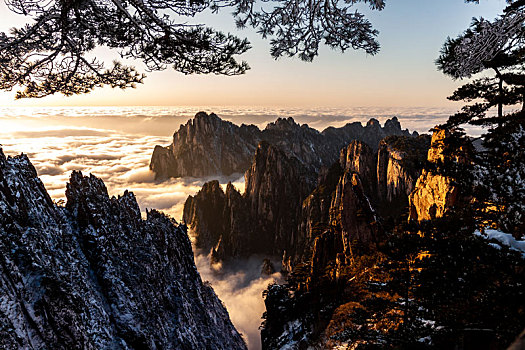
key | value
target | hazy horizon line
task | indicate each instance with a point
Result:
(232, 105)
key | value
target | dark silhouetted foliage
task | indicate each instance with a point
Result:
(53, 53)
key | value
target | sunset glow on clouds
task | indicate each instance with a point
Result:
(403, 73)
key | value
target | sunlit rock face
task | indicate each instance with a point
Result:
(208, 145)
(400, 161)
(385, 178)
(434, 193)
(315, 216)
(433, 196)
(95, 275)
(359, 158)
(350, 221)
(342, 219)
(389, 174)
(352, 212)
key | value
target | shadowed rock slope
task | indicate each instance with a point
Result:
(263, 220)
(95, 275)
(208, 145)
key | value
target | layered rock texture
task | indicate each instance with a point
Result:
(95, 275)
(208, 145)
(263, 220)
(320, 228)
(400, 161)
(282, 210)
(365, 281)
(434, 193)
(357, 193)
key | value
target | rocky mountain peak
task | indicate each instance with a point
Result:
(206, 145)
(205, 116)
(205, 123)
(283, 124)
(392, 124)
(262, 220)
(278, 214)
(95, 275)
(373, 122)
(434, 193)
(437, 145)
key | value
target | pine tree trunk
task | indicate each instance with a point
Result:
(500, 104)
(500, 93)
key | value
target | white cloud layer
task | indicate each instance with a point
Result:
(239, 285)
(163, 121)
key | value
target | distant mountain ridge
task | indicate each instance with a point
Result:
(207, 145)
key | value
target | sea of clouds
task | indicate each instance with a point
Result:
(115, 144)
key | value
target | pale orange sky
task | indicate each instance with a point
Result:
(402, 74)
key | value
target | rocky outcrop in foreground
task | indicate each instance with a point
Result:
(208, 145)
(95, 275)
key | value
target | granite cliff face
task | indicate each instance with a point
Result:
(339, 208)
(315, 216)
(282, 211)
(208, 145)
(434, 193)
(359, 158)
(263, 220)
(275, 186)
(343, 220)
(337, 233)
(95, 275)
(400, 161)
(352, 213)
(389, 174)
(371, 282)
(385, 177)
